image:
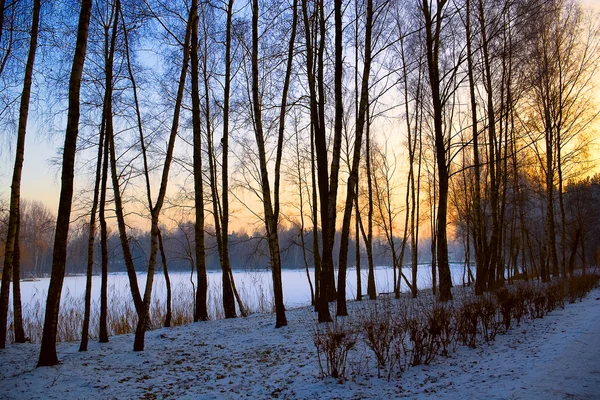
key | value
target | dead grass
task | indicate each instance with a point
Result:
(122, 317)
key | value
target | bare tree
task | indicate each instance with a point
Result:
(48, 354)
(201, 312)
(14, 219)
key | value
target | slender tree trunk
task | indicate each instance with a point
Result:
(108, 117)
(228, 292)
(494, 248)
(416, 191)
(433, 224)
(83, 346)
(371, 289)
(163, 258)
(352, 185)
(478, 231)
(315, 216)
(15, 193)
(433, 47)
(138, 344)
(271, 222)
(357, 240)
(201, 311)
(127, 256)
(325, 280)
(17, 309)
(48, 354)
(103, 323)
(410, 184)
(1, 18)
(301, 206)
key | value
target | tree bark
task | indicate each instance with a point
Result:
(201, 311)
(271, 219)
(15, 193)
(83, 346)
(228, 292)
(352, 185)
(433, 26)
(163, 258)
(138, 344)
(48, 354)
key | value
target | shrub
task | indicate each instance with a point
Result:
(507, 302)
(442, 324)
(488, 315)
(333, 341)
(378, 335)
(466, 322)
(555, 295)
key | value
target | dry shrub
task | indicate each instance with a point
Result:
(555, 295)
(507, 302)
(538, 302)
(400, 351)
(378, 332)
(467, 317)
(488, 315)
(333, 341)
(579, 286)
(442, 325)
(522, 297)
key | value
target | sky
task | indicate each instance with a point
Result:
(41, 179)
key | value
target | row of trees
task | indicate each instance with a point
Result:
(281, 106)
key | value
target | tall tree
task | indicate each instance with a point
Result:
(352, 185)
(434, 16)
(15, 194)
(138, 344)
(48, 354)
(271, 207)
(201, 311)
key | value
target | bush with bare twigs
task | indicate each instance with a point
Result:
(333, 341)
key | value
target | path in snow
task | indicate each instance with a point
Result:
(557, 357)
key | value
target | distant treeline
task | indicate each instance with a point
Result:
(246, 252)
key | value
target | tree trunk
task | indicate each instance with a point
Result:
(357, 241)
(48, 354)
(17, 309)
(103, 323)
(315, 216)
(433, 47)
(228, 293)
(201, 311)
(83, 346)
(318, 128)
(163, 258)
(131, 273)
(371, 288)
(271, 224)
(352, 185)
(15, 193)
(143, 318)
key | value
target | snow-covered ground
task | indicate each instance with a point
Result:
(557, 357)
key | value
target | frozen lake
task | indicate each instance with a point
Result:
(255, 286)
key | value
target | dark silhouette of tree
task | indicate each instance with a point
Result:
(48, 354)
(12, 242)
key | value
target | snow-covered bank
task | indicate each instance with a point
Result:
(554, 357)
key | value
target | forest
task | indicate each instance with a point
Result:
(407, 127)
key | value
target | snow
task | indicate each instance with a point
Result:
(554, 357)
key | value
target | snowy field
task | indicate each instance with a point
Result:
(557, 357)
(252, 284)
